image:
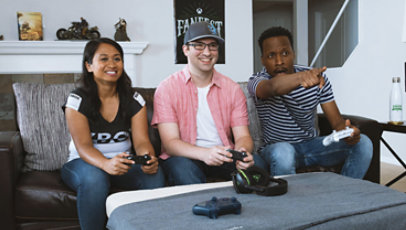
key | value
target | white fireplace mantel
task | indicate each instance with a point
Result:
(32, 57)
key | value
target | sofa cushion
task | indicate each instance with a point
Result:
(255, 125)
(43, 196)
(42, 124)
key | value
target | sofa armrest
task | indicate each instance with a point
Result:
(11, 159)
(368, 127)
(363, 123)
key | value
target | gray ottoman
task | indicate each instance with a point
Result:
(313, 201)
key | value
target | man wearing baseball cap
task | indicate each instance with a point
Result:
(200, 114)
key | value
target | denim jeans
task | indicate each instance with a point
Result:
(92, 185)
(182, 170)
(283, 158)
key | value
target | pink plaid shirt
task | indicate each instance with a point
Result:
(176, 101)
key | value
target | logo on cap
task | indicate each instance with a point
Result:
(212, 29)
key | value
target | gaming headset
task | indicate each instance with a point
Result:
(258, 180)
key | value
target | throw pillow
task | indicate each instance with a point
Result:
(42, 124)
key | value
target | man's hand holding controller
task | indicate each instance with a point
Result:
(237, 155)
(243, 159)
(335, 136)
(351, 134)
(218, 155)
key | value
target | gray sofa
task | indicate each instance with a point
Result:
(32, 195)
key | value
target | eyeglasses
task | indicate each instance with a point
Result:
(201, 46)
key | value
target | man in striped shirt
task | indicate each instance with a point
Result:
(286, 97)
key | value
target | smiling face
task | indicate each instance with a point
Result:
(201, 60)
(107, 64)
(277, 55)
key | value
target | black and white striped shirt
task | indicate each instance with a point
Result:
(291, 117)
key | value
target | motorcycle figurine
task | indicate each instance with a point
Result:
(78, 31)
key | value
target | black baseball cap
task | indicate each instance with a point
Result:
(201, 30)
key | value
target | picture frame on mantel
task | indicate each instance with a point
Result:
(29, 26)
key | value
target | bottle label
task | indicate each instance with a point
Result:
(397, 108)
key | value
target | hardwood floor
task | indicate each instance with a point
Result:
(389, 172)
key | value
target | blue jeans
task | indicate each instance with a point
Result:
(93, 185)
(182, 170)
(283, 158)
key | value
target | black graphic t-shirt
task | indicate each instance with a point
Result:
(110, 138)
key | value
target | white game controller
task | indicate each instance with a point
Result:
(337, 135)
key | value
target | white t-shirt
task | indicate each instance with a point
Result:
(207, 135)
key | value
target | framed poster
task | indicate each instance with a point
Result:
(29, 26)
(188, 12)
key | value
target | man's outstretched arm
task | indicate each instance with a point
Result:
(285, 83)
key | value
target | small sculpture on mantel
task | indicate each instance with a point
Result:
(78, 31)
(121, 31)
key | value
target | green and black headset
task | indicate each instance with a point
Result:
(255, 179)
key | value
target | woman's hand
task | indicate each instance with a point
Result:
(118, 165)
(151, 167)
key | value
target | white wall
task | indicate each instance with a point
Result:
(150, 21)
(362, 86)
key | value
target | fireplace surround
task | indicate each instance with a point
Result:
(39, 57)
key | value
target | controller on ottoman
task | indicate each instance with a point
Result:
(217, 206)
(139, 159)
(237, 155)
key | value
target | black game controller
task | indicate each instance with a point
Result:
(237, 155)
(217, 206)
(139, 159)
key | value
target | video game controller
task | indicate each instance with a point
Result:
(337, 135)
(217, 206)
(139, 159)
(237, 155)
